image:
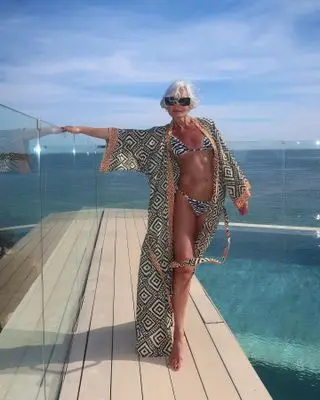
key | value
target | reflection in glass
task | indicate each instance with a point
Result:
(48, 227)
(21, 336)
(70, 226)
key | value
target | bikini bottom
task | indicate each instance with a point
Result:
(199, 207)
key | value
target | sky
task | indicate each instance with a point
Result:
(256, 64)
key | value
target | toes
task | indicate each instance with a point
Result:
(175, 364)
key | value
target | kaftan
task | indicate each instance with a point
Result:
(149, 151)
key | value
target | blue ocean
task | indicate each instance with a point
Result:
(267, 291)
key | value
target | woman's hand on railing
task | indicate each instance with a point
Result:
(71, 129)
(100, 133)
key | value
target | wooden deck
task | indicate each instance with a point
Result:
(41, 281)
(20, 268)
(103, 363)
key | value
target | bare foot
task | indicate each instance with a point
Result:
(175, 360)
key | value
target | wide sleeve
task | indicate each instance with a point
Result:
(237, 185)
(132, 150)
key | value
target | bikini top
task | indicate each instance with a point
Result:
(179, 148)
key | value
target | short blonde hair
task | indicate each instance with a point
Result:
(174, 89)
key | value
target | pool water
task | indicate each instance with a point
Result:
(268, 293)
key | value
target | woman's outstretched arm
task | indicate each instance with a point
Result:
(127, 149)
(100, 133)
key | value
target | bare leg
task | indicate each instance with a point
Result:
(186, 226)
(181, 286)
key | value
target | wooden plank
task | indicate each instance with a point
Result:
(22, 279)
(55, 310)
(26, 378)
(204, 304)
(242, 373)
(22, 249)
(125, 361)
(140, 213)
(96, 378)
(134, 249)
(59, 309)
(140, 228)
(187, 382)
(71, 277)
(7, 340)
(31, 237)
(13, 262)
(214, 376)
(16, 336)
(155, 377)
(58, 257)
(73, 372)
(116, 212)
(21, 252)
(63, 305)
(145, 220)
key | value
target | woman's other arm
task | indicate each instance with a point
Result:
(238, 186)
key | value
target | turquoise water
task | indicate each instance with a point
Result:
(267, 291)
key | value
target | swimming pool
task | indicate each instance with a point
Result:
(268, 293)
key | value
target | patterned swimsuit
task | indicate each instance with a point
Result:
(178, 148)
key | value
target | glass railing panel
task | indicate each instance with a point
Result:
(21, 332)
(268, 288)
(69, 204)
(301, 184)
(282, 177)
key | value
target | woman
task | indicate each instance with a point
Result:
(190, 170)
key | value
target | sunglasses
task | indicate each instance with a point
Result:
(173, 101)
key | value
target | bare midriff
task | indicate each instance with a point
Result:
(196, 167)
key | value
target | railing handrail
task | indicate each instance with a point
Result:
(234, 224)
(282, 142)
(17, 111)
(273, 226)
(27, 115)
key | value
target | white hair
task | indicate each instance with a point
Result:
(174, 90)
